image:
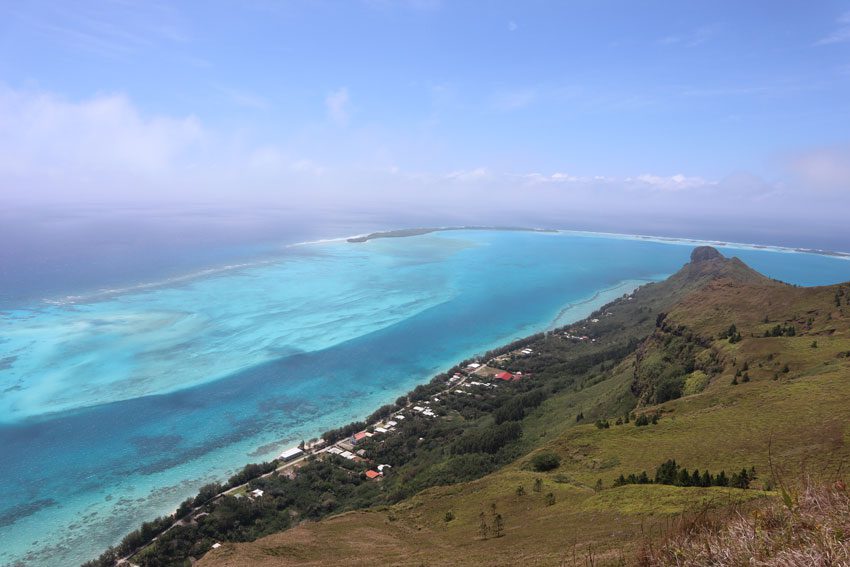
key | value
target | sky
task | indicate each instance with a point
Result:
(684, 114)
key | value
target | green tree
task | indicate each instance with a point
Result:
(498, 525)
(483, 526)
(545, 461)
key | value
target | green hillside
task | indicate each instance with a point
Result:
(741, 377)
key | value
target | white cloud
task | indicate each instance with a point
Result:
(676, 182)
(337, 105)
(512, 26)
(105, 148)
(477, 174)
(105, 133)
(841, 34)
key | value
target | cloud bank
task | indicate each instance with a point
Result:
(105, 150)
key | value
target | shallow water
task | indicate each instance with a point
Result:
(115, 407)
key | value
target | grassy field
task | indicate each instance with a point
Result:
(789, 419)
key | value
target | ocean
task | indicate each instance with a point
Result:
(117, 401)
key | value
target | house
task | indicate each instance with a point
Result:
(382, 467)
(370, 474)
(256, 493)
(358, 437)
(504, 375)
(347, 455)
(335, 451)
(380, 430)
(216, 545)
(390, 423)
(290, 454)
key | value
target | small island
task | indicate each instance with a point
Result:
(405, 232)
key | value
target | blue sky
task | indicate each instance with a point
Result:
(574, 105)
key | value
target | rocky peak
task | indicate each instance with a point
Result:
(704, 254)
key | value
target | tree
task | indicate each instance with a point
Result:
(520, 490)
(449, 516)
(538, 484)
(667, 472)
(550, 499)
(483, 527)
(546, 461)
(498, 525)
(745, 377)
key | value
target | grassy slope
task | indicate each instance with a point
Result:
(802, 416)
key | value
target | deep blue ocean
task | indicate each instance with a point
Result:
(129, 376)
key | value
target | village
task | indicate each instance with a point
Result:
(467, 380)
(474, 376)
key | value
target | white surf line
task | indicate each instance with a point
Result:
(719, 243)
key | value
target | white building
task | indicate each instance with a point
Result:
(290, 454)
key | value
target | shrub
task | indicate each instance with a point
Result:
(546, 461)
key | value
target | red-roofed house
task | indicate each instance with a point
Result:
(358, 437)
(372, 474)
(503, 375)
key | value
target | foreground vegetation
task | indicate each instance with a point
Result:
(810, 528)
(685, 374)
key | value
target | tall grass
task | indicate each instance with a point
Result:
(812, 529)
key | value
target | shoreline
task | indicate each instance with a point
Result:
(593, 302)
(318, 444)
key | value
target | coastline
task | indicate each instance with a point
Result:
(317, 443)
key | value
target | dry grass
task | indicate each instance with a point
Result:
(811, 528)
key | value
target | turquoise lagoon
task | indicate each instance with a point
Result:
(117, 405)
